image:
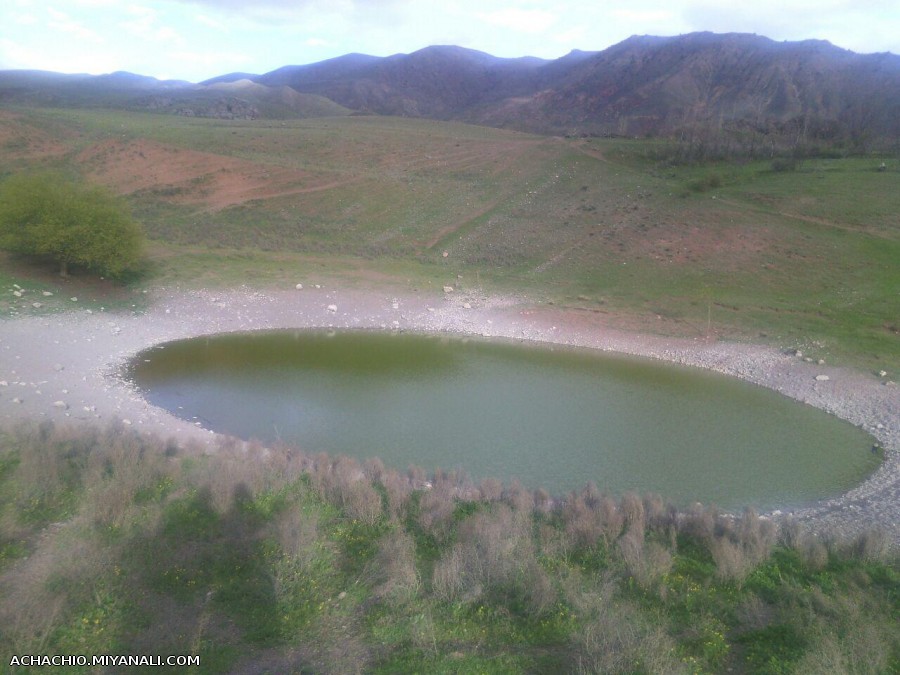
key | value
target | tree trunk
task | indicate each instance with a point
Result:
(64, 268)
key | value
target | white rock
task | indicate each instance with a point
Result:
(395, 305)
(73, 299)
(61, 404)
(4, 383)
(882, 373)
(18, 294)
(332, 308)
(16, 400)
(466, 305)
(448, 289)
(47, 294)
(299, 287)
(822, 378)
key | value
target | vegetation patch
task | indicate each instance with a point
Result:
(266, 558)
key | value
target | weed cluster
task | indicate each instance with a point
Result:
(268, 559)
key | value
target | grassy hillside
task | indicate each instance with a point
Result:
(806, 257)
(270, 561)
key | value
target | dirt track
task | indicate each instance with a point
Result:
(65, 366)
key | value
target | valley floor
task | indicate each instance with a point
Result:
(66, 366)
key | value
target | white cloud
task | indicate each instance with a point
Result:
(145, 25)
(522, 20)
(64, 23)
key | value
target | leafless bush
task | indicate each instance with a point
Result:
(618, 639)
(518, 498)
(732, 562)
(117, 470)
(491, 489)
(450, 579)
(756, 534)
(393, 570)
(494, 552)
(343, 482)
(397, 488)
(374, 469)
(698, 522)
(740, 546)
(632, 509)
(813, 553)
(436, 509)
(871, 545)
(645, 561)
(297, 532)
(543, 502)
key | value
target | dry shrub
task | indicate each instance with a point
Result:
(343, 482)
(742, 545)
(490, 489)
(38, 591)
(813, 553)
(872, 545)
(124, 465)
(416, 475)
(583, 526)
(732, 563)
(612, 520)
(436, 509)
(699, 522)
(232, 467)
(632, 509)
(518, 498)
(450, 579)
(756, 534)
(553, 543)
(297, 533)
(619, 639)
(646, 562)
(590, 516)
(494, 553)
(393, 570)
(851, 642)
(374, 469)
(543, 502)
(51, 460)
(397, 489)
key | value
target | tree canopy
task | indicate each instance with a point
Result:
(47, 215)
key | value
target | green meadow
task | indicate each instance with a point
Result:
(805, 257)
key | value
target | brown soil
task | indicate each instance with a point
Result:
(190, 176)
(21, 140)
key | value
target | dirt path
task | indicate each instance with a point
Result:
(66, 366)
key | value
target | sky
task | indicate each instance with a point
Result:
(198, 39)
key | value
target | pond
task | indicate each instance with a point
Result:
(551, 417)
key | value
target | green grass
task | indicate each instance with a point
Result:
(245, 560)
(801, 258)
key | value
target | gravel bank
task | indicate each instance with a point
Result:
(65, 366)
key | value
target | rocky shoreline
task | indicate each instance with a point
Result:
(66, 366)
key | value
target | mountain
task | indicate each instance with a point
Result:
(644, 85)
(237, 97)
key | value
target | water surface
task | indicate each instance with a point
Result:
(553, 418)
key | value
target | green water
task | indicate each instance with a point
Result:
(552, 418)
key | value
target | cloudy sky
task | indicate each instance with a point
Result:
(197, 39)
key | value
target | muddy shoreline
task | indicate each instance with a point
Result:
(66, 366)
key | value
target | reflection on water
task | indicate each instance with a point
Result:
(554, 418)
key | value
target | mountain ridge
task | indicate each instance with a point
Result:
(644, 85)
